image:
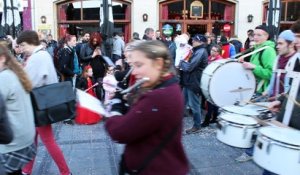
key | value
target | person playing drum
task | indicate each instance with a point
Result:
(261, 63)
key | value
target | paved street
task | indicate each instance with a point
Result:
(89, 151)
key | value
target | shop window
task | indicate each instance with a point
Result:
(70, 11)
(283, 6)
(220, 11)
(293, 12)
(120, 11)
(173, 11)
(91, 10)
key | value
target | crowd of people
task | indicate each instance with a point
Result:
(148, 84)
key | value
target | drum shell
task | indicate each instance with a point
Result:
(277, 157)
(235, 134)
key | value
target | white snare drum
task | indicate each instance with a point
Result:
(225, 82)
(250, 110)
(236, 130)
(278, 150)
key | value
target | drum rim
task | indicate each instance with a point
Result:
(240, 118)
(239, 125)
(260, 133)
(281, 143)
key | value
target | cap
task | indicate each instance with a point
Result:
(200, 38)
(264, 28)
(287, 35)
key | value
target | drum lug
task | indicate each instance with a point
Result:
(224, 125)
(245, 131)
(268, 148)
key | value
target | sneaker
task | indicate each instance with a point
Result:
(192, 130)
(244, 158)
(205, 124)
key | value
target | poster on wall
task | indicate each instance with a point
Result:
(44, 29)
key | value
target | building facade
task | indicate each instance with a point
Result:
(231, 17)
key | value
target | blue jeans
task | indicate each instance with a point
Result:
(193, 101)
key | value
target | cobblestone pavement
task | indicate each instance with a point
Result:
(89, 151)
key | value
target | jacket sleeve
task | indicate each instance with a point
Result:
(139, 122)
(190, 66)
(232, 50)
(6, 134)
(83, 52)
(268, 59)
(64, 63)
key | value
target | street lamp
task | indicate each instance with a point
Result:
(250, 18)
(145, 17)
(43, 19)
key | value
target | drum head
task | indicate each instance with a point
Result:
(249, 110)
(238, 119)
(285, 135)
(230, 83)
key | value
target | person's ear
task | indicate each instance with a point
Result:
(159, 63)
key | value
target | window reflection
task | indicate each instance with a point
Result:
(293, 12)
(70, 11)
(173, 11)
(221, 11)
(91, 10)
(120, 11)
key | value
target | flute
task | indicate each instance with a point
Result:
(136, 84)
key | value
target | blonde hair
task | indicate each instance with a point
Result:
(153, 49)
(12, 64)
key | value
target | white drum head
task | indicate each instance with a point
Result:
(238, 119)
(229, 83)
(285, 135)
(249, 110)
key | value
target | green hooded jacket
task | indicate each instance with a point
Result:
(263, 72)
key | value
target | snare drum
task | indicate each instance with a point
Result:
(250, 110)
(278, 150)
(236, 130)
(225, 82)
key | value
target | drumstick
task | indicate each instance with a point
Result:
(250, 102)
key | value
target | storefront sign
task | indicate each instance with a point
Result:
(196, 10)
(167, 30)
(226, 28)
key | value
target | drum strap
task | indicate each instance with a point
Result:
(293, 94)
(260, 84)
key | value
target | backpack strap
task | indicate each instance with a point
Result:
(260, 59)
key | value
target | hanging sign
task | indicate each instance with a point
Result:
(196, 9)
(167, 30)
(226, 28)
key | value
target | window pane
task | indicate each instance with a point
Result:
(220, 11)
(120, 11)
(293, 12)
(69, 11)
(205, 8)
(91, 10)
(283, 4)
(172, 11)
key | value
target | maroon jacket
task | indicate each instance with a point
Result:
(142, 129)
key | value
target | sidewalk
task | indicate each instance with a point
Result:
(89, 151)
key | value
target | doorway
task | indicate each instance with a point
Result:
(193, 29)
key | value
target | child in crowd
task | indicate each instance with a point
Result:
(109, 85)
(86, 83)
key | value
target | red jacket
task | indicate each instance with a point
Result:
(144, 126)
